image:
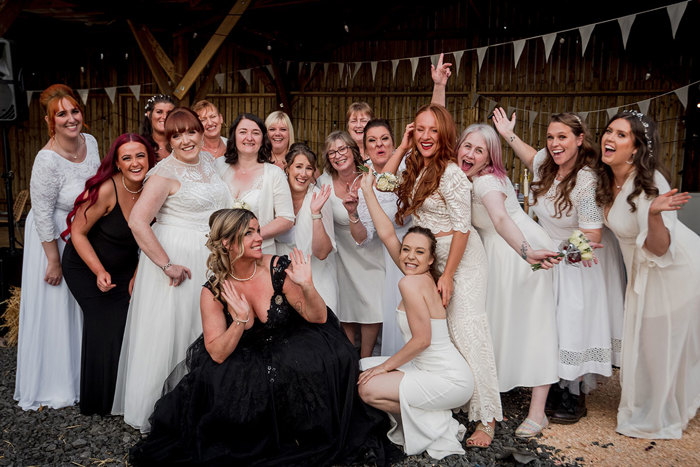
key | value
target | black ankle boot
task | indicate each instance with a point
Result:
(571, 410)
(554, 399)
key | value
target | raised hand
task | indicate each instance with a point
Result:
(237, 303)
(299, 270)
(503, 125)
(351, 199)
(319, 199)
(367, 182)
(440, 73)
(104, 282)
(407, 139)
(669, 201)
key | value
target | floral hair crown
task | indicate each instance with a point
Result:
(645, 124)
(151, 102)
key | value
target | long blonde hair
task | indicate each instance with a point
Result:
(229, 226)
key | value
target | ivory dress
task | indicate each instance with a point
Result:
(435, 381)
(447, 209)
(360, 269)
(583, 320)
(519, 301)
(660, 373)
(392, 339)
(163, 320)
(323, 271)
(50, 320)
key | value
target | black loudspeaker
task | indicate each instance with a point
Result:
(11, 89)
(10, 274)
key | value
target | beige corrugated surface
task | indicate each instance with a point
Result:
(576, 441)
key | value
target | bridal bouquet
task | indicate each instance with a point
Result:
(575, 249)
(238, 204)
(386, 182)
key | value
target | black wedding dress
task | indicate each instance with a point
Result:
(286, 396)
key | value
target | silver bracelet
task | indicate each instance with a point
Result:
(239, 321)
(316, 216)
(166, 266)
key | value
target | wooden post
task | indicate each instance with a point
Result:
(212, 46)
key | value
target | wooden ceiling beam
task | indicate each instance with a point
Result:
(212, 46)
(151, 60)
(9, 11)
(159, 53)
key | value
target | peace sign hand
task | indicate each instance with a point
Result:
(440, 73)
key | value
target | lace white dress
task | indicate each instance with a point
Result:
(392, 339)
(323, 272)
(447, 209)
(360, 269)
(162, 320)
(436, 381)
(519, 301)
(660, 372)
(50, 320)
(583, 322)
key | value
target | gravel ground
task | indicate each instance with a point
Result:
(65, 437)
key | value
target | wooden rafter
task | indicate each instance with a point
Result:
(160, 54)
(9, 11)
(212, 46)
(151, 60)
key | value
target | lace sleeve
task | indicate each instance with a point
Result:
(44, 185)
(537, 162)
(455, 189)
(590, 215)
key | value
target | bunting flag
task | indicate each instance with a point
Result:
(518, 50)
(532, 116)
(373, 66)
(675, 13)
(644, 106)
(548, 40)
(475, 99)
(220, 79)
(312, 66)
(83, 93)
(625, 26)
(325, 70)
(682, 94)
(394, 65)
(111, 93)
(414, 67)
(29, 98)
(511, 109)
(270, 70)
(492, 105)
(135, 90)
(583, 115)
(458, 60)
(356, 69)
(246, 75)
(585, 32)
(341, 71)
(288, 63)
(611, 111)
(481, 53)
(300, 68)
(434, 59)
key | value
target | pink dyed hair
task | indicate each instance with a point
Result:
(493, 146)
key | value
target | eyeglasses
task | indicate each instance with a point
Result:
(362, 121)
(340, 152)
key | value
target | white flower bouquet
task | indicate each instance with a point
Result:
(238, 204)
(575, 249)
(386, 182)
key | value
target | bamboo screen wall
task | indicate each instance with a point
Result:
(606, 76)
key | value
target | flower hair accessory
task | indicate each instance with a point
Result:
(645, 124)
(151, 102)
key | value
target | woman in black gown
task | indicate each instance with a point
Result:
(272, 380)
(99, 263)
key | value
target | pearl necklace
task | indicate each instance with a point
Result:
(255, 269)
(133, 193)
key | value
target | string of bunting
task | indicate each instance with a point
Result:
(348, 70)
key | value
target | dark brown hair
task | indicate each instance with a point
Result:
(416, 229)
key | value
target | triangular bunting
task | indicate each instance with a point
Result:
(492, 105)
(312, 66)
(475, 99)
(300, 68)
(583, 115)
(682, 94)
(246, 75)
(625, 26)
(288, 64)
(611, 111)
(341, 71)
(675, 13)
(585, 32)
(414, 66)
(270, 70)
(518, 50)
(532, 115)
(29, 98)
(219, 78)
(434, 59)
(511, 109)
(111, 93)
(356, 69)
(83, 93)
(458, 60)
(394, 65)
(644, 105)
(325, 70)
(481, 53)
(135, 90)
(548, 40)
(373, 66)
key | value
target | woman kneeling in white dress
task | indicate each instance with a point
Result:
(419, 385)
